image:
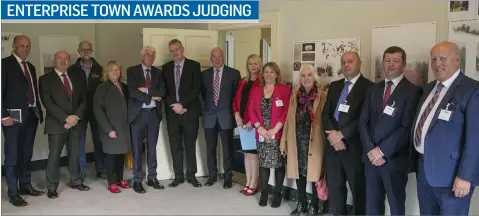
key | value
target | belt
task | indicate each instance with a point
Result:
(149, 109)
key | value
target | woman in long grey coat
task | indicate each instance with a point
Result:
(110, 109)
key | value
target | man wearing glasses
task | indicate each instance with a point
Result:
(91, 70)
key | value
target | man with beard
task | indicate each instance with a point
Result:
(87, 67)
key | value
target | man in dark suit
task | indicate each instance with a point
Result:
(64, 99)
(19, 91)
(88, 67)
(385, 127)
(445, 136)
(146, 89)
(219, 86)
(340, 121)
(183, 108)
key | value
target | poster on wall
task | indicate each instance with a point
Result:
(460, 10)
(49, 45)
(465, 33)
(324, 55)
(7, 42)
(416, 39)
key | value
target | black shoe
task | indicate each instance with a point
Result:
(228, 184)
(194, 182)
(301, 208)
(155, 184)
(31, 191)
(276, 200)
(176, 182)
(313, 210)
(211, 181)
(138, 187)
(81, 187)
(101, 175)
(324, 207)
(52, 194)
(263, 201)
(18, 201)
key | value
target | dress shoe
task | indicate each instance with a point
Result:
(263, 201)
(114, 188)
(138, 187)
(194, 182)
(124, 184)
(155, 184)
(52, 194)
(18, 201)
(81, 187)
(211, 181)
(313, 210)
(176, 182)
(228, 185)
(101, 175)
(301, 208)
(31, 191)
(276, 200)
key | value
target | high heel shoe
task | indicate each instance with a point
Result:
(242, 191)
(301, 208)
(251, 191)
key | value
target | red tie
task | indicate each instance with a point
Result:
(148, 79)
(68, 88)
(31, 97)
(387, 93)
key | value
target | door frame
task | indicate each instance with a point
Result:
(268, 20)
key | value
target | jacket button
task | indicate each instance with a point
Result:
(378, 125)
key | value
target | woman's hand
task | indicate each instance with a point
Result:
(112, 134)
(283, 150)
(248, 126)
(264, 133)
(272, 132)
(239, 120)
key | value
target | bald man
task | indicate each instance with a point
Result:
(341, 122)
(65, 103)
(445, 141)
(21, 112)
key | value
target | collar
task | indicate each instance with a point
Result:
(144, 68)
(395, 80)
(60, 73)
(18, 58)
(181, 64)
(451, 79)
(353, 80)
(221, 68)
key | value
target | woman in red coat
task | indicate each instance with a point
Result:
(240, 105)
(267, 109)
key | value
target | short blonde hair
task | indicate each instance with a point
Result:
(258, 59)
(275, 68)
(109, 67)
(315, 74)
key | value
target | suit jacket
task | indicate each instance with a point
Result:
(451, 147)
(348, 122)
(57, 104)
(189, 90)
(135, 80)
(223, 113)
(15, 88)
(390, 133)
(238, 95)
(281, 93)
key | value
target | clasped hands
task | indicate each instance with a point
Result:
(335, 138)
(375, 157)
(267, 134)
(71, 121)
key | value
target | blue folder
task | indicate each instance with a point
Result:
(247, 138)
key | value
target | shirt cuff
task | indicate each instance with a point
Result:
(3, 119)
(380, 151)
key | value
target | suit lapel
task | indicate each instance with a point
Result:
(353, 91)
(379, 99)
(394, 95)
(183, 72)
(224, 77)
(61, 85)
(18, 66)
(141, 74)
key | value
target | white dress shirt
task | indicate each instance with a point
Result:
(353, 81)
(61, 78)
(420, 146)
(395, 83)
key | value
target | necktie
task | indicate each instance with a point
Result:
(216, 87)
(425, 114)
(67, 86)
(387, 93)
(177, 82)
(31, 97)
(148, 78)
(342, 98)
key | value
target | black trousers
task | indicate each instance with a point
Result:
(179, 132)
(211, 135)
(279, 174)
(56, 142)
(301, 186)
(114, 166)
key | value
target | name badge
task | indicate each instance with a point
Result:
(445, 114)
(95, 76)
(343, 107)
(279, 103)
(390, 110)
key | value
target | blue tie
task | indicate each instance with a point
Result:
(342, 98)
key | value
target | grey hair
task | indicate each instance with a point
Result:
(85, 41)
(145, 48)
(315, 74)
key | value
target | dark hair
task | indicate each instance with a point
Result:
(395, 49)
(275, 68)
(173, 41)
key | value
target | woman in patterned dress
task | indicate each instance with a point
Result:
(267, 109)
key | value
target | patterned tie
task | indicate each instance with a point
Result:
(31, 96)
(216, 87)
(425, 114)
(67, 86)
(387, 93)
(342, 98)
(148, 78)
(177, 82)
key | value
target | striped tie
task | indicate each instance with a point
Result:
(425, 114)
(216, 87)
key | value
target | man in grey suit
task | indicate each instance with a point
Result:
(219, 86)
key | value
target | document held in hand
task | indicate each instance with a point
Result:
(248, 141)
(15, 114)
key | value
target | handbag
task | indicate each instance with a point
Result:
(322, 188)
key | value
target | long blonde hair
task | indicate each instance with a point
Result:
(258, 60)
(109, 67)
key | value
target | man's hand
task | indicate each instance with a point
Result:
(461, 187)
(339, 146)
(156, 98)
(334, 136)
(374, 154)
(112, 135)
(379, 162)
(143, 89)
(72, 120)
(183, 111)
(67, 126)
(177, 108)
(8, 122)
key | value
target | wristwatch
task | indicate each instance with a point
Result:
(257, 127)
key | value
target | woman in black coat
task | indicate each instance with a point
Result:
(110, 109)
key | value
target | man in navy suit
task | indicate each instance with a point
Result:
(19, 91)
(384, 126)
(219, 86)
(445, 137)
